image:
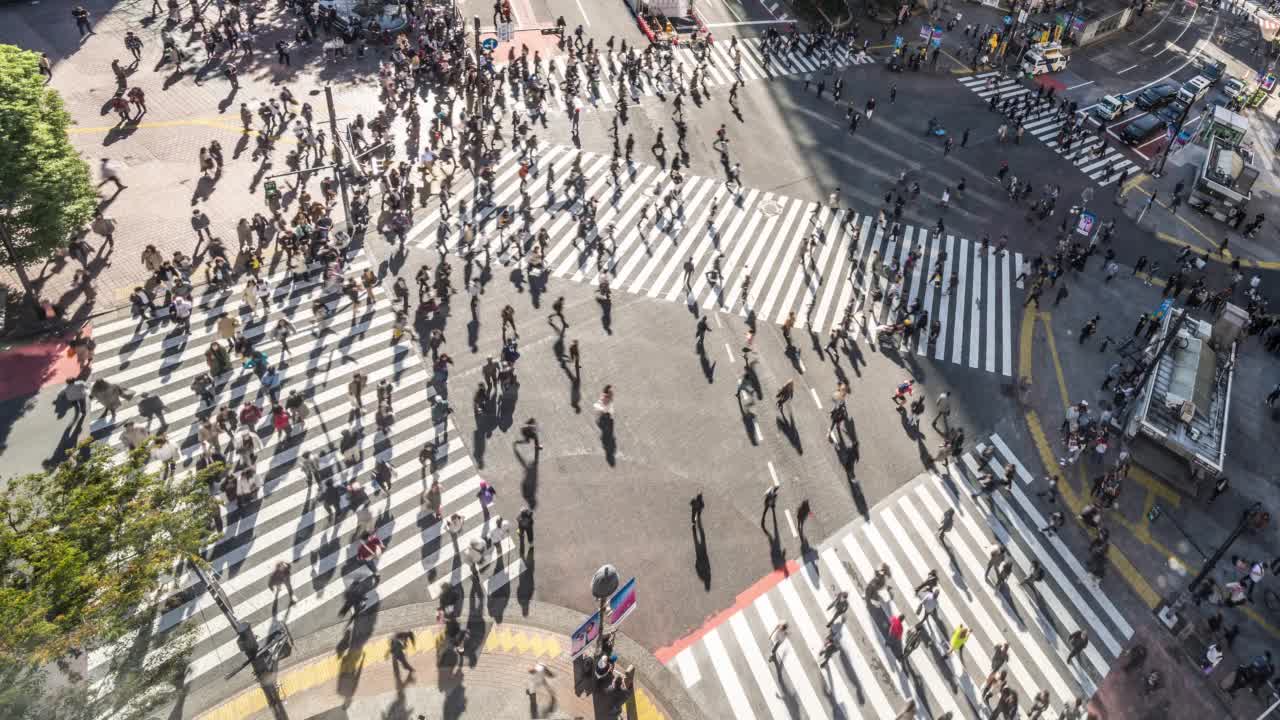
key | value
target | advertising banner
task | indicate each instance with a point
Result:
(619, 607)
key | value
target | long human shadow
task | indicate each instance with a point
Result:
(702, 559)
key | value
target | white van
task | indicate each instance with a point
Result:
(1194, 89)
(1044, 58)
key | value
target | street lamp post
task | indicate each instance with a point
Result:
(1224, 547)
(1177, 130)
(603, 584)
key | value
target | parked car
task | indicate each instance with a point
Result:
(1111, 107)
(1233, 88)
(1194, 89)
(1143, 129)
(1214, 71)
(1157, 95)
(1172, 111)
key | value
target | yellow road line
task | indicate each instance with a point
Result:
(217, 123)
(1140, 530)
(324, 670)
(1148, 481)
(1226, 256)
(1057, 363)
(1117, 558)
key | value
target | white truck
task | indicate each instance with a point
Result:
(1044, 58)
(1111, 107)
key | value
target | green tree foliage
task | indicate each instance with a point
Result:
(45, 189)
(86, 552)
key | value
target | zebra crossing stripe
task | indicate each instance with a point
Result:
(1045, 123)
(1036, 659)
(758, 235)
(850, 653)
(688, 667)
(1108, 607)
(728, 679)
(789, 657)
(760, 672)
(801, 621)
(279, 532)
(1013, 631)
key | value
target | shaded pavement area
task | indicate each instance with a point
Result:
(409, 668)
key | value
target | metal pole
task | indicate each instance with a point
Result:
(603, 623)
(1222, 549)
(337, 153)
(1182, 118)
(1269, 710)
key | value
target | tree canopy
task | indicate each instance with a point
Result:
(85, 552)
(46, 193)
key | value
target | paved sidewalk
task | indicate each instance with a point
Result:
(158, 154)
(360, 678)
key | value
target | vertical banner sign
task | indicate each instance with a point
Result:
(619, 607)
(1085, 224)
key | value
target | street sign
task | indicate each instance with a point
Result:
(1153, 513)
(897, 42)
(1160, 312)
(1008, 20)
(619, 607)
(926, 32)
(489, 44)
(1085, 224)
(506, 31)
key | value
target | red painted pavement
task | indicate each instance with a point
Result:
(27, 368)
(1051, 82)
(745, 598)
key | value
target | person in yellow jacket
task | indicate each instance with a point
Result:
(958, 638)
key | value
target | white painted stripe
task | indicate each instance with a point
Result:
(974, 307)
(688, 667)
(1035, 516)
(760, 672)
(944, 316)
(800, 685)
(1010, 630)
(863, 674)
(1055, 625)
(962, 306)
(1006, 334)
(989, 310)
(834, 674)
(723, 666)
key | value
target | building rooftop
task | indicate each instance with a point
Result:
(1193, 382)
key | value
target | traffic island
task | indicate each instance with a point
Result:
(413, 666)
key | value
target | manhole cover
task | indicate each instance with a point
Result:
(771, 208)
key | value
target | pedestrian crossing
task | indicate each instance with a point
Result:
(1100, 158)
(729, 670)
(747, 249)
(726, 62)
(288, 522)
(1268, 25)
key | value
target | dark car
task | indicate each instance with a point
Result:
(1143, 129)
(1157, 95)
(1214, 71)
(1172, 112)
